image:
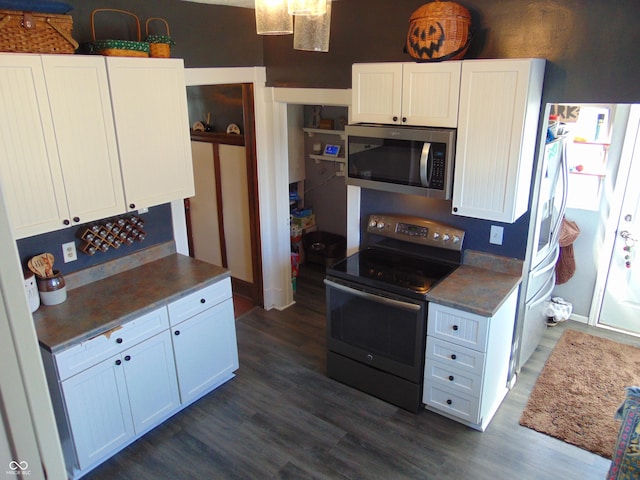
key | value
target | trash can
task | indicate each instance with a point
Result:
(324, 248)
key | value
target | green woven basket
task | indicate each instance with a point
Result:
(118, 48)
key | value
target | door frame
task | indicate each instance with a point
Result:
(617, 199)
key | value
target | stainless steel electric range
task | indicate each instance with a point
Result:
(377, 305)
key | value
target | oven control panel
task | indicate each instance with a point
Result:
(416, 230)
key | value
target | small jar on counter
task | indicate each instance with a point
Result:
(53, 290)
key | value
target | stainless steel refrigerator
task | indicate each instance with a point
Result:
(548, 203)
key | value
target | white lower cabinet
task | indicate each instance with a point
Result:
(97, 406)
(467, 362)
(205, 350)
(111, 389)
(109, 403)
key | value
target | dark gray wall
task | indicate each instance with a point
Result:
(592, 46)
(205, 35)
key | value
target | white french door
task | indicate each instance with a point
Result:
(621, 299)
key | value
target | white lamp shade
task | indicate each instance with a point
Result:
(308, 7)
(312, 32)
(272, 17)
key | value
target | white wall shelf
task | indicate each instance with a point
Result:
(328, 159)
(312, 131)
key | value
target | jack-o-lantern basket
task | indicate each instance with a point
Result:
(439, 30)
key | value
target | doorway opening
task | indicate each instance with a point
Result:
(601, 140)
(317, 187)
(223, 222)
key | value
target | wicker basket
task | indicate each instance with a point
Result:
(159, 45)
(36, 32)
(439, 30)
(118, 48)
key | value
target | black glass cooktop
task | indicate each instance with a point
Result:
(394, 271)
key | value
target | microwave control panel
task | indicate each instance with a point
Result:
(416, 230)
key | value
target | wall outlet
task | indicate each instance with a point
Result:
(69, 253)
(496, 234)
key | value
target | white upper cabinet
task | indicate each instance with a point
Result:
(406, 93)
(58, 156)
(497, 129)
(149, 100)
(84, 138)
(81, 108)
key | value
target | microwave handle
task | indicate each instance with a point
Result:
(424, 165)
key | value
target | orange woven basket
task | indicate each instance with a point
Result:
(439, 30)
(159, 45)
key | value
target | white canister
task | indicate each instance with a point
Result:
(31, 288)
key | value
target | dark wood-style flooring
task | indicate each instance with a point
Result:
(281, 417)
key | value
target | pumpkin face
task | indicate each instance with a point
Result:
(426, 41)
(439, 30)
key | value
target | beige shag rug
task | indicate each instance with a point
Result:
(579, 390)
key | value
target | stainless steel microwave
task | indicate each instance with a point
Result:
(401, 159)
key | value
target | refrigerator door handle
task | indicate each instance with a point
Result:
(542, 271)
(564, 169)
(539, 299)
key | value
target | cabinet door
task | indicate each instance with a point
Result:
(205, 350)
(29, 165)
(377, 92)
(81, 109)
(430, 93)
(497, 127)
(152, 385)
(149, 100)
(98, 411)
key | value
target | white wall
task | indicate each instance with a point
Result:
(28, 421)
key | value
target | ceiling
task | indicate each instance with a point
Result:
(230, 3)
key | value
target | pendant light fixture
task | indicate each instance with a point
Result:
(312, 32)
(273, 18)
(308, 7)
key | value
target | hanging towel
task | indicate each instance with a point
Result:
(566, 264)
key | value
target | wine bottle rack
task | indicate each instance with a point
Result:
(111, 233)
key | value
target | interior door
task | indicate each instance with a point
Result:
(223, 223)
(621, 301)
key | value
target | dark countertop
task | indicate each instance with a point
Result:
(97, 307)
(474, 289)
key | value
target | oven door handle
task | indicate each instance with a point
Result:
(371, 296)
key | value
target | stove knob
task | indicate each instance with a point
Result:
(436, 235)
(381, 225)
(372, 224)
(456, 239)
(445, 237)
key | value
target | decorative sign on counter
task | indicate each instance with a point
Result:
(111, 233)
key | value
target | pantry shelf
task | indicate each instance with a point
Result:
(328, 159)
(313, 131)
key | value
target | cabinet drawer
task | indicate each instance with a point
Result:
(199, 301)
(461, 328)
(454, 355)
(458, 380)
(86, 354)
(457, 404)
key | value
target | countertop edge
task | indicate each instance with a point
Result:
(46, 321)
(130, 316)
(492, 287)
